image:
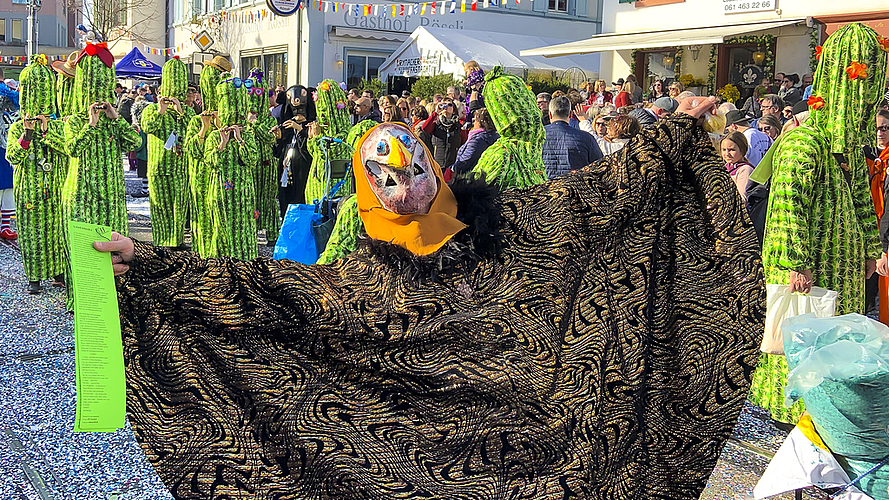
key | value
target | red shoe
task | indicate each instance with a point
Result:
(8, 234)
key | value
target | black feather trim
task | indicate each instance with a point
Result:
(478, 208)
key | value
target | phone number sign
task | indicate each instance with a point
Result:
(739, 6)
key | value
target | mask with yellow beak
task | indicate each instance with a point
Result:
(402, 196)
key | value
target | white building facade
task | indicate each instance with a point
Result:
(717, 42)
(345, 44)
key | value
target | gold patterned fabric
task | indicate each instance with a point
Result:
(605, 353)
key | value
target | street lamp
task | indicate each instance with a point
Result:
(33, 7)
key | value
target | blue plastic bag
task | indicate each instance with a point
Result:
(296, 240)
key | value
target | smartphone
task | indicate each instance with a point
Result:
(99, 106)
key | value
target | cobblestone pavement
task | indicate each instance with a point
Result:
(42, 458)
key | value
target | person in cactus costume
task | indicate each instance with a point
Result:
(231, 151)
(209, 238)
(65, 85)
(348, 228)
(515, 160)
(36, 140)
(265, 172)
(332, 121)
(821, 228)
(96, 137)
(165, 124)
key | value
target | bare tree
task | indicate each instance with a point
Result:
(114, 20)
(226, 33)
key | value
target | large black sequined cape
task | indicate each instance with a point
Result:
(605, 353)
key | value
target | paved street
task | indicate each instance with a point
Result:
(41, 458)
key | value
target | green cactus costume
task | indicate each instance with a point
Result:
(515, 160)
(817, 220)
(344, 237)
(209, 237)
(265, 173)
(234, 165)
(333, 116)
(64, 95)
(38, 176)
(167, 168)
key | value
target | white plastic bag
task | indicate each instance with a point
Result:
(781, 304)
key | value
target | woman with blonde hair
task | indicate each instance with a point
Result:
(675, 89)
(404, 110)
(599, 97)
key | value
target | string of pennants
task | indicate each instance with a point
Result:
(23, 60)
(438, 7)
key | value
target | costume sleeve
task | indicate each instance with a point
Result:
(78, 135)
(247, 149)
(194, 145)
(55, 136)
(864, 204)
(127, 135)
(788, 239)
(222, 296)
(15, 154)
(152, 122)
(344, 238)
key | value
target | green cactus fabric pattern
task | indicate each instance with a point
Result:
(93, 82)
(265, 173)
(816, 219)
(234, 165)
(333, 117)
(344, 237)
(515, 160)
(167, 168)
(38, 175)
(64, 95)
(209, 238)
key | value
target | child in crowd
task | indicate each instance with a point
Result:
(734, 151)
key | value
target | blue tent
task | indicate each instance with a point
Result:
(135, 65)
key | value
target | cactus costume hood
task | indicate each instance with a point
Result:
(602, 349)
(37, 88)
(95, 77)
(174, 79)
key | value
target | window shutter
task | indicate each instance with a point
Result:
(580, 7)
(540, 5)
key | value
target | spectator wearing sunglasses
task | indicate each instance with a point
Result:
(404, 111)
(770, 126)
(443, 127)
(364, 111)
(789, 92)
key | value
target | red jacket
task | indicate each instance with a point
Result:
(592, 99)
(623, 99)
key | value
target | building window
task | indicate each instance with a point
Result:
(17, 31)
(274, 68)
(558, 5)
(20, 2)
(360, 66)
(656, 65)
(2, 30)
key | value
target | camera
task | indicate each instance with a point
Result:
(99, 106)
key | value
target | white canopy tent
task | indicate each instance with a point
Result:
(431, 51)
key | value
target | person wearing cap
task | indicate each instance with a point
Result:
(624, 92)
(758, 142)
(662, 108)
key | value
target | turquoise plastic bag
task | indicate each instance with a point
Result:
(840, 368)
(296, 240)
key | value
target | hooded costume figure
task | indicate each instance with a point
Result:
(294, 160)
(479, 344)
(265, 178)
(821, 217)
(516, 158)
(38, 175)
(209, 236)
(333, 117)
(94, 189)
(167, 165)
(233, 160)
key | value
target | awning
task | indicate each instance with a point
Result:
(431, 51)
(654, 39)
(136, 65)
(391, 36)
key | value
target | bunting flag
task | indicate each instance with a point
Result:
(398, 9)
(474, 4)
(433, 8)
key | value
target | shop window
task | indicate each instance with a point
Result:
(558, 5)
(360, 66)
(741, 66)
(274, 68)
(17, 30)
(656, 65)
